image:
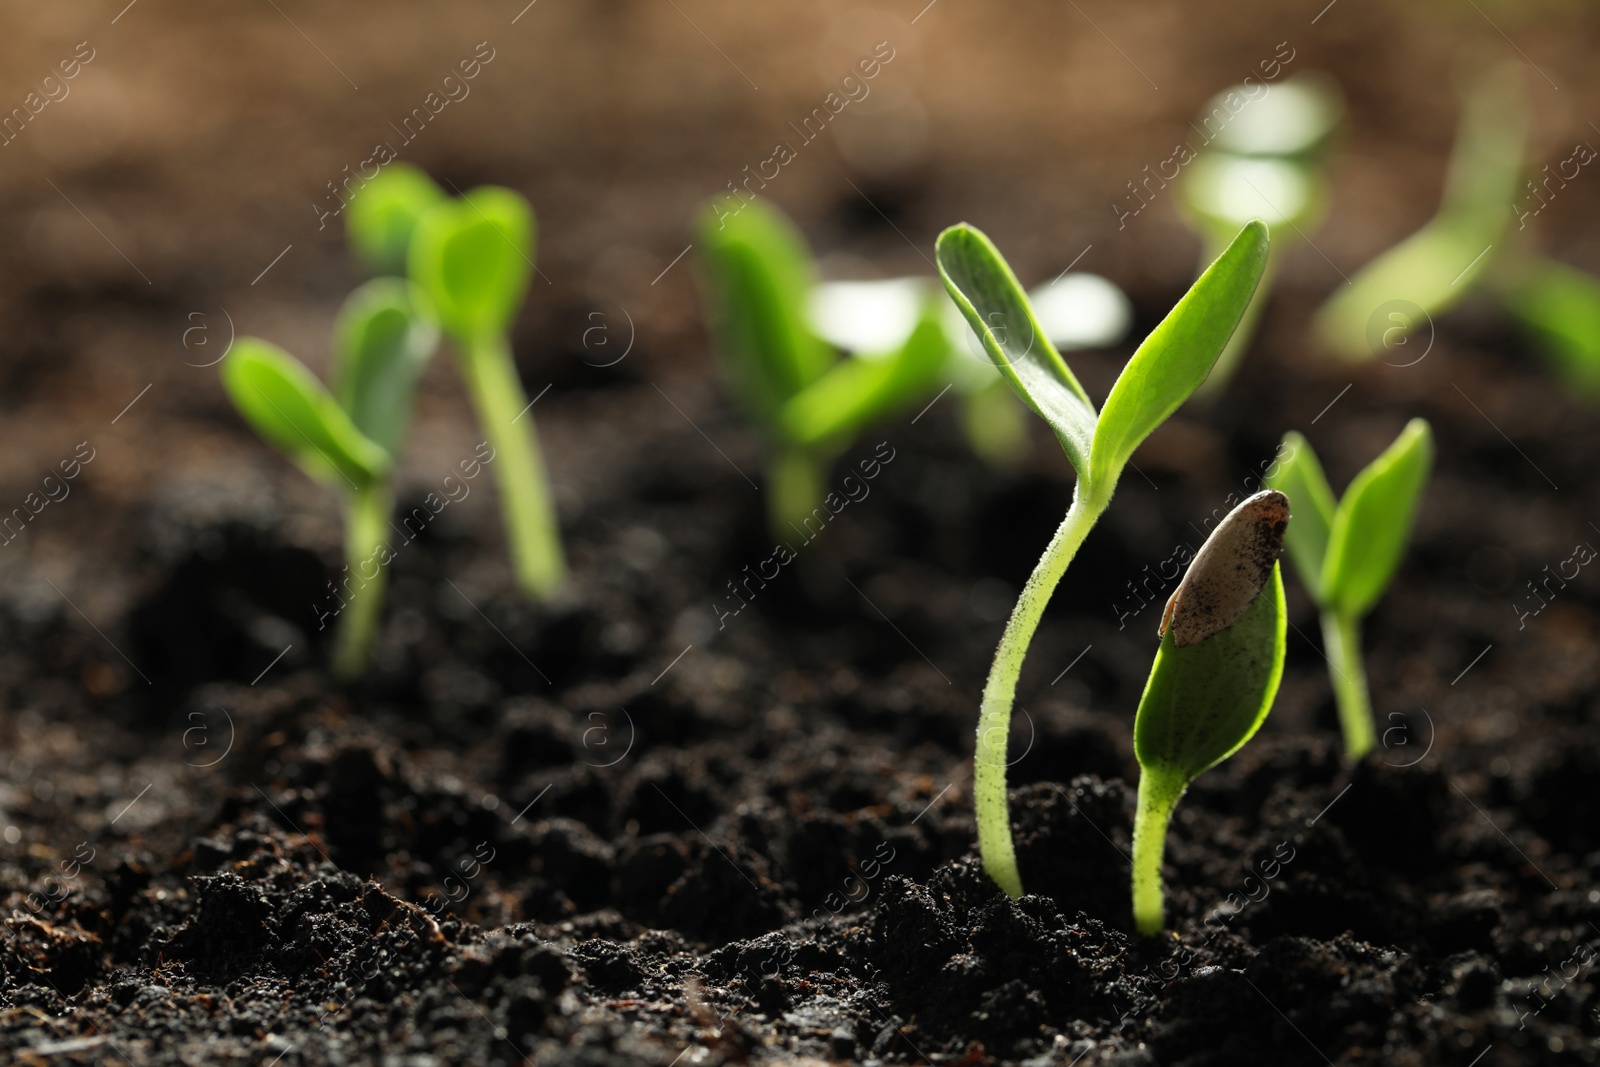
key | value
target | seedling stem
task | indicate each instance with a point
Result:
(1159, 793)
(1341, 636)
(367, 516)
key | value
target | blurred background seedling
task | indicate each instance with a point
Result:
(349, 437)
(1346, 552)
(1266, 161)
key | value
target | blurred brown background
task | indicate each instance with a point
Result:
(172, 189)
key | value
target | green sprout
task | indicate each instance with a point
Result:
(1433, 269)
(758, 279)
(348, 438)
(1213, 680)
(1346, 553)
(381, 219)
(473, 258)
(1161, 375)
(1267, 162)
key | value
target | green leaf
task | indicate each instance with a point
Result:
(996, 307)
(473, 258)
(384, 212)
(1204, 701)
(1436, 266)
(1178, 354)
(292, 411)
(382, 343)
(858, 391)
(1299, 477)
(1373, 522)
(1560, 306)
(758, 278)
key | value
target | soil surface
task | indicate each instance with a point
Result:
(646, 824)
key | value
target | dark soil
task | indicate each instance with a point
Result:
(634, 827)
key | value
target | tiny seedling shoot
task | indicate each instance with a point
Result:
(758, 279)
(473, 258)
(379, 223)
(348, 438)
(1213, 680)
(1164, 371)
(1347, 552)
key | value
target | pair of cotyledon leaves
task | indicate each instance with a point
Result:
(1346, 551)
(761, 277)
(1220, 660)
(469, 261)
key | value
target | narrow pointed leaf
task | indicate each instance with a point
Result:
(1178, 354)
(856, 391)
(1300, 478)
(996, 307)
(1373, 523)
(382, 343)
(292, 411)
(473, 258)
(758, 279)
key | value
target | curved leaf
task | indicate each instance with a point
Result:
(758, 279)
(1178, 354)
(473, 258)
(384, 212)
(1300, 478)
(382, 344)
(857, 391)
(1204, 701)
(292, 411)
(1373, 522)
(996, 307)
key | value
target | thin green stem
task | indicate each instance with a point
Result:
(994, 718)
(1159, 793)
(530, 516)
(794, 491)
(1341, 637)
(365, 526)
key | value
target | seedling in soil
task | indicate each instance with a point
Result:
(758, 279)
(1213, 680)
(348, 438)
(381, 219)
(1347, 552)
(1164, 371)
(1268, 163)
(473, 258)
(1431, 270)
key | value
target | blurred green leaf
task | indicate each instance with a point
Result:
(473, 258)
(1560, 306)
(1300, 478)
(1373, 522)
(292, 411)
(382, 343)
(858, 390)
(1178, 354)
(384, 212)
(996, 307)
(758, 278)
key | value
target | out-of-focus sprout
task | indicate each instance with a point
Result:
(758, 279)
(1560, 307)
(1266, 163)
(382, 217)
(1431, 270)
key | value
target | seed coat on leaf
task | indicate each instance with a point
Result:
(1229, 570)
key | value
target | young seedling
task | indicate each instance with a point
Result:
(348, 438)
(382, 217)
(758, 279)
(473, 258)
(1432, 270)
(1347, 552)
(1266, 161)
(1213, 680)
(1164, 371)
